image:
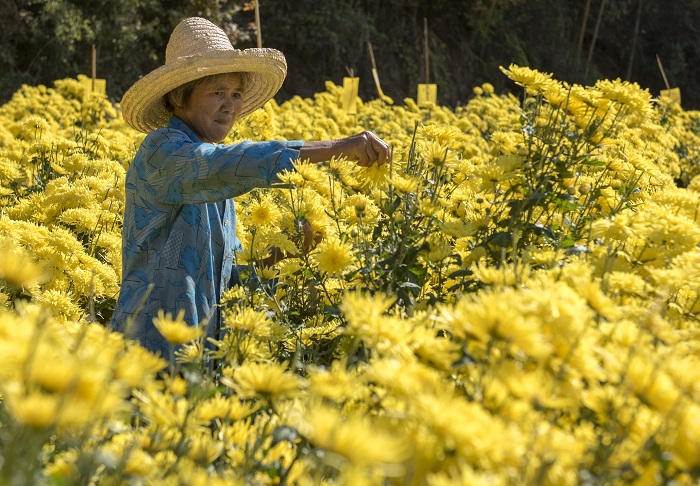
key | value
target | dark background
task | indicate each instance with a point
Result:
(579, 41)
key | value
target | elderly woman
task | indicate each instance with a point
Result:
(179, 236)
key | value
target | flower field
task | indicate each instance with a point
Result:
(512, 301)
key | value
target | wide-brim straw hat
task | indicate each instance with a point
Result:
(198, 48)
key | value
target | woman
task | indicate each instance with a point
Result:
(179, 235)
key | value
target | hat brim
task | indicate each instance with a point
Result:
(142, 105)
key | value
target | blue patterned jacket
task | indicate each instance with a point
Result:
(179, 235)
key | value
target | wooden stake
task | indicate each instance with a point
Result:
(91, 84)
(427, 93)
(94, 66)
(427, 57)
(374, 70)
(674, 94)
(371, 55)
(257, 23)
(663, 73)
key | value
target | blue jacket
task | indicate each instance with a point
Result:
(179, 234)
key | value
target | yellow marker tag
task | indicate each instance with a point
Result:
(427, 93)
(673, 94)
(86, 83)
(351, 87)
(99, 88)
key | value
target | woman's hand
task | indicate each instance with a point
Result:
(365, 148)
(310, 241)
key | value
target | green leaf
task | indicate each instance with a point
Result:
(502, 239)
(566, 202)
(461, 273)
(332, 310)
(567, 242)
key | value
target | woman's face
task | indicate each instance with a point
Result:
(213, 106)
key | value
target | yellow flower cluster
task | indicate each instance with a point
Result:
(513, 300)
(62, 193)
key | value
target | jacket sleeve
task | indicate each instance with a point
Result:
(180, 171)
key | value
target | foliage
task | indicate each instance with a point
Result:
(44, 40)
(512, 301)
(53, 39)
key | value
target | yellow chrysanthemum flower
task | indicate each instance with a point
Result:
(333, 256)
(263, 213)
(405, 378)
(19, 270)
(685, 441)
(442, 134)
(373, 176)
(353, 439)
(439, 248)
(336, 383)
(202, 448)
(137, 367)
(309, 172)
(248, 320)
(190, 352)
(270, 381)
(36, 410)
(62, 303)
(55, 374)
(175, 330)
(405, 184)
(62, 467)
(531, 79)
(497, 315)
(138, 463)
(438, 154)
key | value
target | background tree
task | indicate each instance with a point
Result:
(44, 40)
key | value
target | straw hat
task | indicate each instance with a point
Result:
(198, 48)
